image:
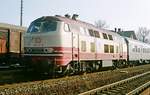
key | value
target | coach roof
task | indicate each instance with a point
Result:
(11, 26)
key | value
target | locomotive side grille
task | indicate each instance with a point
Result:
(34, 50)
(38, 50)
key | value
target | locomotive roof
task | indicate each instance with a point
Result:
(77, 22)
(134, 40)
(72, 21)
(11, 26)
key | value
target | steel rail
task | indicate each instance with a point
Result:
(109, 86)
(139, 89)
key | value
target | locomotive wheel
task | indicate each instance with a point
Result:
(89, 67)
(98, 65)
(83, 67)
(67, 70)
(64, 70)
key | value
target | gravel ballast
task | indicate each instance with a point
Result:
(71, 85)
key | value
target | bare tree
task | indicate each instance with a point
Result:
(101, 24)
(142, 34)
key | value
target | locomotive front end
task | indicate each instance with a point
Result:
(42, 44)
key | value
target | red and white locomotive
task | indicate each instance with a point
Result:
(62, 44)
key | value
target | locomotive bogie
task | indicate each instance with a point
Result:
(49, 45)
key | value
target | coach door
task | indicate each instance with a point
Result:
(120, 50)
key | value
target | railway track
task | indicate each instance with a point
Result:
(8, 75)
(72, 85)
(127, 86)
(140, 89)
(17, 75)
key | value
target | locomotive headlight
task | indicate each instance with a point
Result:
(28, 50)
(48, 50)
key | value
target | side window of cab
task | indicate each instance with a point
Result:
(66, 27)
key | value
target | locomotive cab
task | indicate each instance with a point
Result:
(42, 25)
(43, 43)
(42, 34)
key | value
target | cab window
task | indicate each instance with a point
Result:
(41, 25)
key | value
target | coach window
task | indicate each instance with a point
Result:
(110, 37)
(136, 49)
(111, 49)
(66, 27)
(133, 50)
(83, 46)
(117, 49)
(92, 47)
(143, 50)
(105, 36)
(106, 48)
(148, 50)
(3, 34)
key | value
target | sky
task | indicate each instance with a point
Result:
(125, 14)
